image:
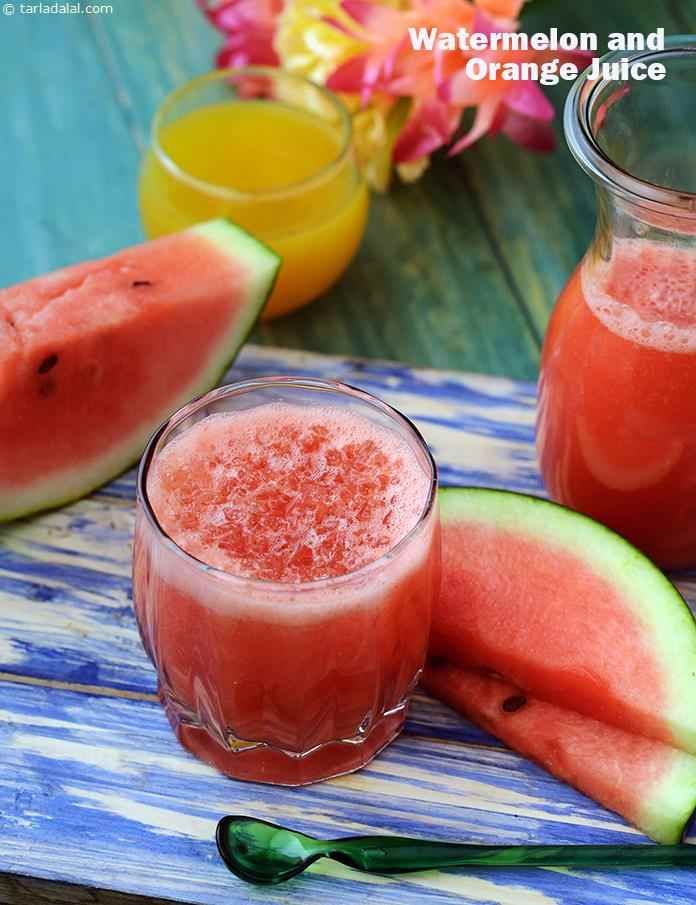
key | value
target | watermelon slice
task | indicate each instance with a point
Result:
(93, 357)
(566, 609)
(652, 785)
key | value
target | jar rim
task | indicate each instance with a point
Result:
(284, 587)
(582, 141)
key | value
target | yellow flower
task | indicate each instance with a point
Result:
(310, 46)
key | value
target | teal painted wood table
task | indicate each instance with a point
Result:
(97, 801)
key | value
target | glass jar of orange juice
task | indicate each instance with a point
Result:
(274, 153)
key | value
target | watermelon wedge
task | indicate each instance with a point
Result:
(93, 357)
(652, 785)
(566, 609)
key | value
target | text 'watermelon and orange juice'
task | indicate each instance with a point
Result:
(286, 561)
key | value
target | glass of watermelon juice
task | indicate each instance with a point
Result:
(287, 553)
(617, 407)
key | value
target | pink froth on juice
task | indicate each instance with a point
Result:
(287, 554)
(286, 493)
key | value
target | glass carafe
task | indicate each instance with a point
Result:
(616, 431)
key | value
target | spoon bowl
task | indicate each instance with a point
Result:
(262, 852)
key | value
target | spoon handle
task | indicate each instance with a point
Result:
(386, 854)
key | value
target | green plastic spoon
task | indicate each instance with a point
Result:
(261, 852)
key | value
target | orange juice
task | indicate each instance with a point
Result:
(283, 172)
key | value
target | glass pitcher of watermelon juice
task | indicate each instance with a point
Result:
(616, 430)
(286, 559)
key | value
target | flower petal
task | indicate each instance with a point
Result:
(350, 76)
(230, 15)
(533, 134)
(501, 9)
(413, 169)
(363, 11)
(246, 50)
(484, 121)
(430, 126)
(528, 99)
(249, 26)
(486, 25)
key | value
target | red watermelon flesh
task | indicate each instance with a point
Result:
(93, 357)
(652, 785)
(567, 610)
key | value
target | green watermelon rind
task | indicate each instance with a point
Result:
(71, 486)
(657, 602)
(667, 814)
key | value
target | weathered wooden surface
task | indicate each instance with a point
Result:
(459, 271)
(95, 790)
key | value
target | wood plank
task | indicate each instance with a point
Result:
(425, 288)
(136, 813)
(540, 208)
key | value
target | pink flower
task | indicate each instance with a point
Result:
(383, 29)
(436, 81)
(249, 27)
(392, 67)
(518, 109)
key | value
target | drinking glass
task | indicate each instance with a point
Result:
(286, 682)
(274, 153)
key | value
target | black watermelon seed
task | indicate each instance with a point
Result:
(514, 703)
(136, 283)
(49, 362)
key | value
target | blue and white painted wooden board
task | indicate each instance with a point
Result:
(95, 790)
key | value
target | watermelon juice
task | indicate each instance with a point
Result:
(617, 408)
(286, 559)
(617, 422)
